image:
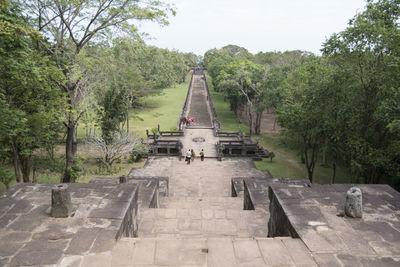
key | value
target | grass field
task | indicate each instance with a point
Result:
(163, 109)
(287, 161)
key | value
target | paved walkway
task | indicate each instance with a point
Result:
(198, 139)
(199, 223)
(198, 105)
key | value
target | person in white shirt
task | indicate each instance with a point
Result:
(188, 156)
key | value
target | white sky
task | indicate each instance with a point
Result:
(257, 25)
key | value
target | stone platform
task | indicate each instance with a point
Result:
(315, 214)
(208, 213)
(29, 236)
(213, 252)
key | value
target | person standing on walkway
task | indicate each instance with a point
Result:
(188, 155)
(192, 154)
(202, 155)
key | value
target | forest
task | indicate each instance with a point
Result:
(343, 104)
(68, 63)
(67, 66)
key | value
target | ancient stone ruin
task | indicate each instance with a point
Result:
(218, 212)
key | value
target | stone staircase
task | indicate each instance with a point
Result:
(198, 103)
(218, 252)
(187, 217)
(199, 223)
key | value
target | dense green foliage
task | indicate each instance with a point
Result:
(343, 105)
(30, 99)
(366, 56)
(68, 69)
(70, 27)
(82, 63)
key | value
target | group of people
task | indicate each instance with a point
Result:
(189, 121)
(190, 155)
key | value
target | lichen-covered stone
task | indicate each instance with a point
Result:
(353, 206)
(122, 179)
(61, 205)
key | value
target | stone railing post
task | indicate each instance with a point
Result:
(353, 207)
(61, 205)
(122, 179)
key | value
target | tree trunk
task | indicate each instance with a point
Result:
(127, 124)
(74, 142)
(70, 151)
(26, 168)
(307, 161)
(258, 122)
(250, 120)
(34, 178)
(310, 161)
(16, 160)
(333, 170)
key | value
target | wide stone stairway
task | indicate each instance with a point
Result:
(199, 223)
(170, 213)
(198, 105)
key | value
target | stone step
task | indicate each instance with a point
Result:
(218, 252)
(202, 222)
(202, 202)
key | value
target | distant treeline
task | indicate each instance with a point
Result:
(344, 104)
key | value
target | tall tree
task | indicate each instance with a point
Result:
(29, 96)
(70, 25)
(303, 111)
(369, 50)
(240, 82)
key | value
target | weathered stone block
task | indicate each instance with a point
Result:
(122, 179)
(353, 206)
(61, 205)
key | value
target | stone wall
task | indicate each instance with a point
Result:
(129, 225)
(103, 212)
(278, 224)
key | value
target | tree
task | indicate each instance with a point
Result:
(114, 112)
(29, 96)
(70, 26)
(119, 145)
(303, 111)
(369, 51)
(240, 83)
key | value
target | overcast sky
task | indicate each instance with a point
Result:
(257, 25)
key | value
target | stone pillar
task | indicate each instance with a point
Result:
(61, 205)
(353, 207)
(122, 179)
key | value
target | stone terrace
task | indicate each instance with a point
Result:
(170, 213)
(29, 236)
(315, 214)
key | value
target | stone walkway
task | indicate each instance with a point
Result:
(208, 145)
(199, 223)
(218, 252)
(198, 105)
(199, 202)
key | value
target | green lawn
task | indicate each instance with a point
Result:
(287, 161)
(163, 109)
